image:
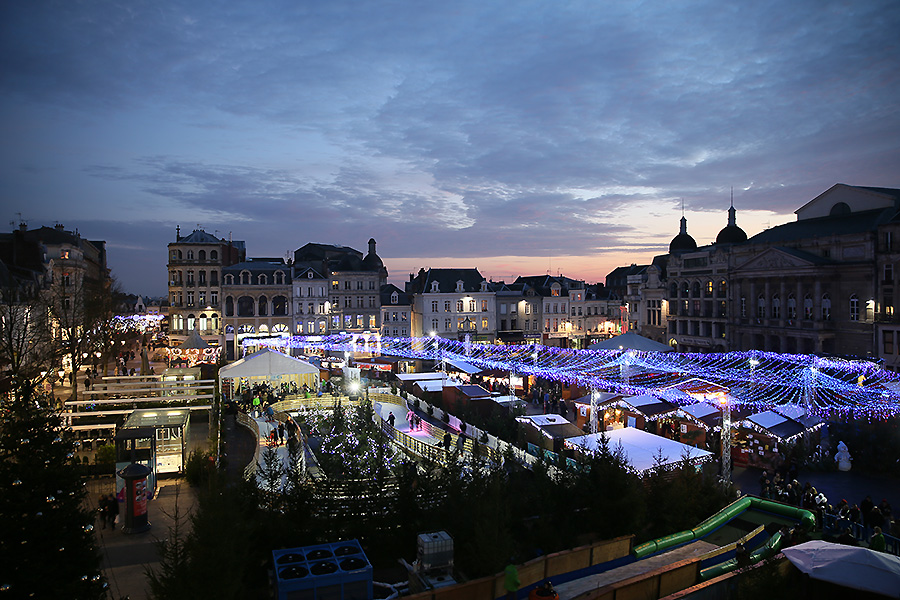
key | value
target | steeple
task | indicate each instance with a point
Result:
(683, 241)
(731, 234)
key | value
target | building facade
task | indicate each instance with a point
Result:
(452, 303)
(195, 284)
(257, 301)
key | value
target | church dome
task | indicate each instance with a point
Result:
(683, 241)
(731, 234)
(372, 261)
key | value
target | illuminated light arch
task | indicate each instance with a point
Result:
(755, 379)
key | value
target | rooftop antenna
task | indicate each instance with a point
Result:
(732, 196)
(199, 226)
(682, 207)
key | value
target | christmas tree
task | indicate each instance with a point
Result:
(47, 545)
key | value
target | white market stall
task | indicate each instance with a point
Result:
(641, 448)
(271, 367)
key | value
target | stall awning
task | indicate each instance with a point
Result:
(641, 448)
(777, 425)
(463, 367)
(267, 363)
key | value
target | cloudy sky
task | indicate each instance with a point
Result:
(518, 137)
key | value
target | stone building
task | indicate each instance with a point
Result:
(195, 284)
(452, 303)
(257, 301)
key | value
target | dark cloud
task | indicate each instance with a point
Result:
(449, 129)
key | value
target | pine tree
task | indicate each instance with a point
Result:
(47, 546)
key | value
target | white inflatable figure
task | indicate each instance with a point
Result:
(843, 457)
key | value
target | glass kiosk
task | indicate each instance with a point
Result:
(135, 445)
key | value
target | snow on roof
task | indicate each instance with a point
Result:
(641, 448)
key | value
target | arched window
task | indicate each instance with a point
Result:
(246, 329)
(279, 328)
(190, 255)
(826, 307)
(202, 323)
(673, 290)
(685, 289)
(807, 307)
(279, 306)
(245, 306)
(761, 307)
(262, 279)
(229, 279)
(245, 277)
(854, 308)
(229, 329)
(723, 288)
(191, 322)
(263, 306)
(279, 278)
(214, 321)
(177, 323)
(229, 306)
(791, 307)
(201, 255)
(213, 255)
(695, 289)
(190, 279)
(264, 328)
(776, 306)
(709, 290)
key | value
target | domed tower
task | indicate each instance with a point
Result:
(374, 263)
(682, 242)
(731, 234)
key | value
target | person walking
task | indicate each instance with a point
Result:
(447, 441)
(877, 541)
(281, 433)
(103, 510)
(113, 514)
(391, 419)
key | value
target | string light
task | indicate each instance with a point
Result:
(825, 387)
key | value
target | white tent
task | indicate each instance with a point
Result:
(848, 566)
(272, 366)
(641, 447)
(630, 341)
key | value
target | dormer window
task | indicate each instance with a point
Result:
(395, 298)
(460, 287)
(229, 280)
(435, 286)
(245, 277)
(262, 279)
(484, 286)
(309, 274)
(279, 278)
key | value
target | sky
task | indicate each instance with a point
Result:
(519, 137)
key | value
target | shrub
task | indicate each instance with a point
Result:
(105, 454)
(196, 469)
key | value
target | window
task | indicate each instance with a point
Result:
(791, 307)
(262, 279)
(854, 308)
(888, 306)
(279, 278)
(395, 298)
(245, 278)
(722, 288)
(371, 301)
(826, 307)
(484, 305)
(279, 306)
(527, 308)
(202, 277)
(371, 285)
(214, 298)
(190, 298)
(673, 290)
(807, 307)
(434, 306)
(229, 306)
(202, 301)
(334, 284)
(190, 255)
(888, 273)
(347, 285)
(213, 255)
(263, 306)
(459, 286)
(359, 285)
(696, 289)
(709, 288)
(202, 256)
(446, 324)
(484, 323)
(190, 279)
(459, 306)
(887, 339)
(229, 280)
(434, 324)
(776, 306)
(245, 306)
(471, 306)
(761, 307)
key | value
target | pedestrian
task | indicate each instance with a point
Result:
(391, 419)
(87, 383)
(113, 514)
(103, 510)
(742, 557)
(409, 419)
(877, 541)
(511, 580)
(447, 440)
(847, 539)
(280, 433)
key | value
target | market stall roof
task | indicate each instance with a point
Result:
(848, 566)
(419, 376)
(193, 340)
(699, 387)
(267, 363)
(800, 414)
(641, 447)
(157, 417)
(551, 426)
(649, 406)
(602, 398)
(630, 340)
(474, 391)
(704, 413)
(435, 385)
(508, 400)
(777, 425)
(463, 366)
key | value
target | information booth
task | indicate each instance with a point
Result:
(136, 445)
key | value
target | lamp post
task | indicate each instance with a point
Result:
(726, 439)
(595, 396)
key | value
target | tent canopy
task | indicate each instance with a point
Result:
(848, 566)
(193, 340)
(630, 341)
(267, 363)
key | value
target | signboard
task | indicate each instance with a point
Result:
(140, 497)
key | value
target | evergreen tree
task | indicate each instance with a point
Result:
(47, 546)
